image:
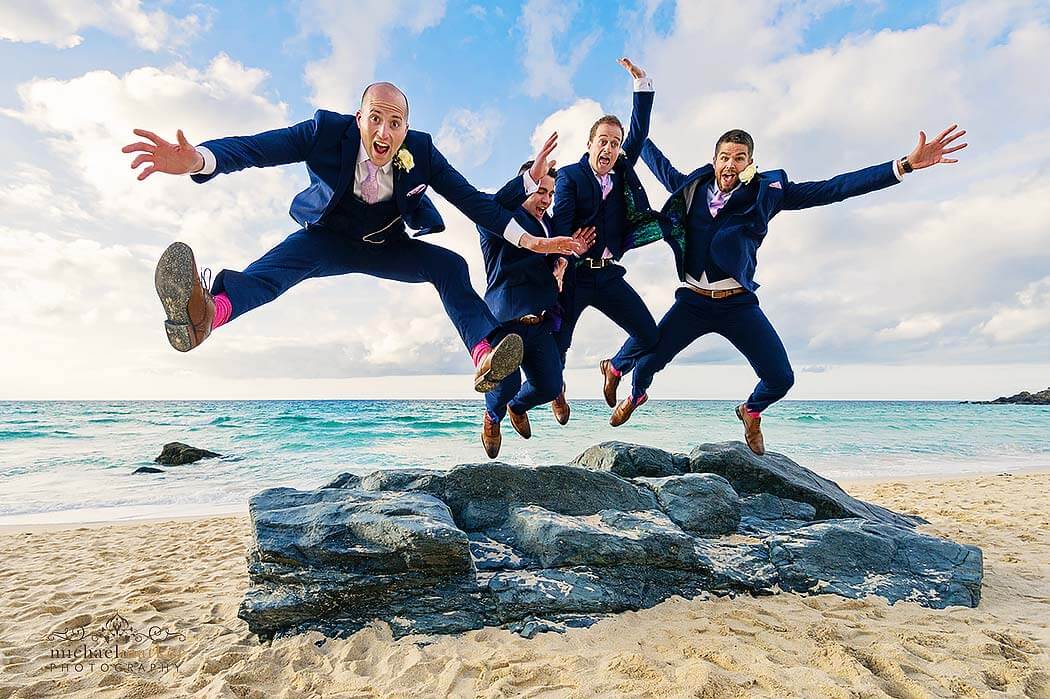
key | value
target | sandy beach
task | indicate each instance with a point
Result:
(175, 585)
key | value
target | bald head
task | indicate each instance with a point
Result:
(382, 121)
(385, 92)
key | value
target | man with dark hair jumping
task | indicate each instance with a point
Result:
(716, 220)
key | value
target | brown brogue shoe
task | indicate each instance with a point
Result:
(560, 407)
(623, 411)
(188, 305)
(520, 423)
(612, 381)
(498, 363)
(490, 436)
(752, 430)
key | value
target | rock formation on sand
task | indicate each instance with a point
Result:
(542, 548)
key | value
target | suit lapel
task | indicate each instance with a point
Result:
(350, 147)
(588, 175)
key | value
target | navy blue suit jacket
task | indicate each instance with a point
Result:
(741, 225)
(329, 144)
(579, 194)
(519, 282)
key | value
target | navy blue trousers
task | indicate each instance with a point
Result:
(609, 292)
(542, 366)
(324, 253)
(737, 319)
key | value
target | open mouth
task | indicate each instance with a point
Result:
(380, 149)
(728, 177)
(604, 161)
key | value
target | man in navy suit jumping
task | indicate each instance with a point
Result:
(602, 191)
(368, 179)
(716, 219)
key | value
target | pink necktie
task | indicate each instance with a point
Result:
(717, 202)
(606, 182)
(370, 187)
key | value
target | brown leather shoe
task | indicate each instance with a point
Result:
(625, 408)
(612, 381)
(187, 303)
(752, 430)
(520, 423)
(498, 363)
(490, 436)
(560, 407)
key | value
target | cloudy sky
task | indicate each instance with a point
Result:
(937, 288)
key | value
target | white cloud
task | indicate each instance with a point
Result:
(573, 124)
(1028, 319)
(544, 22)
(360, 34)
(57, 22)
(922, 325)
(466, 138)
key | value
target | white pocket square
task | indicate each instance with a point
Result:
(417, 190)
(775, 185)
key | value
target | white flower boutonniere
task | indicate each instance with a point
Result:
(748, 174)
(404, 161)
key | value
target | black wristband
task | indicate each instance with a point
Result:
(905, 165)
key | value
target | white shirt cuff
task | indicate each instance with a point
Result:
(643, 84)
(530, 186)
(209, 161)
(514, 232)
(897, 170)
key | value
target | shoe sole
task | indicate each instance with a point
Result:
(173, 279)
(506, 358)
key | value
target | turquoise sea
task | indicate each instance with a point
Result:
(73, 461)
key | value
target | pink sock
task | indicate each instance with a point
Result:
(753, 414)
(614, 371)
(479, 351)
(223, 310)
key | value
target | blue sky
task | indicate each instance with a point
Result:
(937, 288)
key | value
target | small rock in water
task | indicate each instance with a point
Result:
(178, 454)
(147, 469)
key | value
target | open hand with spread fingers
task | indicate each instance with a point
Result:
(584, 238)
(927, 153)
(541, 164)
(179, 158)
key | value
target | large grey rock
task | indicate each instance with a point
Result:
(778, 475)
(353, 530)
(607, 538)
(702, 503)
(633, 460)
(766, 506)
(481, 496)
(854, 558)
(545, 548)
(178, 454)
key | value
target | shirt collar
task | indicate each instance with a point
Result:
(362, 155)
(599, 177)
(713, 189)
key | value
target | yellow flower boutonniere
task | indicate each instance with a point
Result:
(404, 160)
(748, 174)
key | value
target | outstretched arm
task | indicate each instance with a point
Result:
(641, 112)
(277, 147)
(669, 177)
(803, 195)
